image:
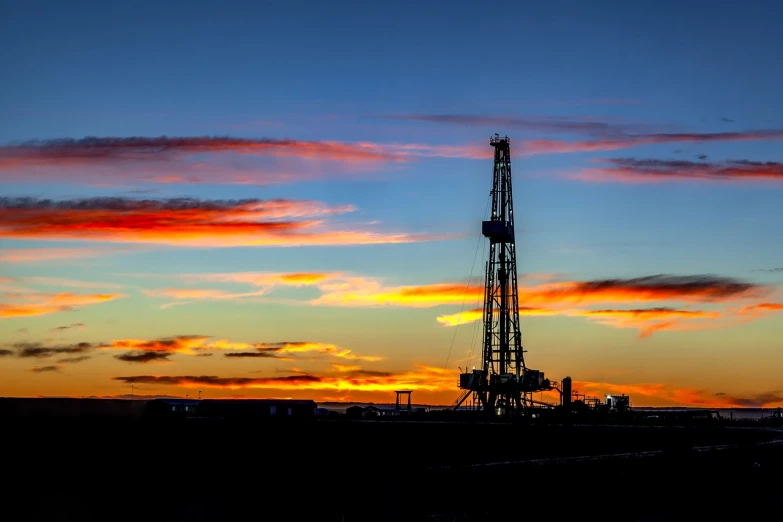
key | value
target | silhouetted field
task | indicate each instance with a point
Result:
(194, 470)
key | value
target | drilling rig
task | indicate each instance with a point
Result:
(503, 386)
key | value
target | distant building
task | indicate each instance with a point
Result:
(172, 407)
(70, 407)
(370, 412)
(354, 412)
(232, 408)
(244, 408)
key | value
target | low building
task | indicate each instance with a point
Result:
(172, 408)
(257, 408)
(70, 407)
(232, 408)
(354, 412)
(370, 412)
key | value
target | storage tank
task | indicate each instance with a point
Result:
(565, 398)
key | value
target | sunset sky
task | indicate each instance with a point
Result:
(255, 200)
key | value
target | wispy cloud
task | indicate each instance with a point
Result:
(263, 281)
(605, 134)
(550, 124)
(546, 146)
(41, 351)
(143, 357)
(632, 170)
(289, 347)
(101, 150)
(757, 310)
(651, 320)
(74, 352)
(34, 255)
(184, 295)
(187, 344)
(42, 369)
(186, 222)
(253, 355)
(33, 304)
(568, 298)
(202, 344)
(73, 326)
(118, 161)
(61, 282)
(476, 314)
(74, 360)
(646, 320)
(757, 400)
(421, 378)
(695, 288)
(564, 298)
(656, 394)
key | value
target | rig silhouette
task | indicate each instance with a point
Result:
(504, 385)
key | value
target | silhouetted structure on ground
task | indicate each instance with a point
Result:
(503, 385)
(233, 408)
(400, 404)
(70, 407)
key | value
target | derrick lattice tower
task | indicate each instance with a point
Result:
(503, 385)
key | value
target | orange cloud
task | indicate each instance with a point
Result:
(559, 298)
(100, 151)
(654, 394)
(199, 344)
(367, 292)
(32, 255)
(304, 278)
(642, 289)
(477, 314)
(172, 160)
(760, 309)
(421, 378)
(182, 295)
(184, 222)
(189, 344)
(159, 350)
(44, 304)
(59, 281)
(648, 320)
(345, 368)
(323, 348)
(264, 280)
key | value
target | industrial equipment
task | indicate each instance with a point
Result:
(503, 385)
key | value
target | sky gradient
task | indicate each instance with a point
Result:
(241, 201)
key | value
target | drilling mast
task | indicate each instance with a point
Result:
(504, 385)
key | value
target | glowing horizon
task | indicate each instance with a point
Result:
(231, 214)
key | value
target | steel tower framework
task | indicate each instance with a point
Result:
(504, 384)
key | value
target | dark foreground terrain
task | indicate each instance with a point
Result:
(198, 470)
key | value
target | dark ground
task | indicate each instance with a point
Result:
(198, 470)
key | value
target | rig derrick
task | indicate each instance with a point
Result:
(503, 386)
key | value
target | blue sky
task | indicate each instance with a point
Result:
(346, 72)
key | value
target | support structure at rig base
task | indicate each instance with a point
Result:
(503, 385)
